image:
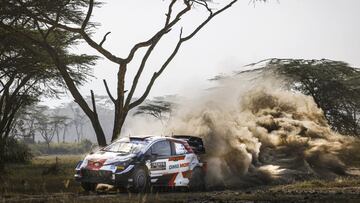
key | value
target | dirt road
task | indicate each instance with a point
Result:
(24, 183)
(259, 195)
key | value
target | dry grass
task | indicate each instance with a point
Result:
(27, 183)
(340, 182)
(33, 179)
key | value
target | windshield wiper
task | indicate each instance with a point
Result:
(122, 152)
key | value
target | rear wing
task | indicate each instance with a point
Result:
(195, 143)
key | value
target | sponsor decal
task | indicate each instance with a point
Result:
(177, 158)
(172, 180)
(180, 148)
(187, 174)
(174, 166)
(95, 164)
(179, 165)
(158, 166)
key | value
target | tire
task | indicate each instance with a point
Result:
(140, 180)
(197, 180)
(88, 186)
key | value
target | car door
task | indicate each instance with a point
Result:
(179, 164)
(159, 153)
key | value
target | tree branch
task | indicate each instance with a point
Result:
(88, 15)
(100, 49)
(139, 72)
(108, 91)
(212, 15)
(157, 74)
(80, 31)
(93, 102)
(104, 38)
(168, 15)
(160, 33)
(170, 58)
(53, 26)
(203, 3)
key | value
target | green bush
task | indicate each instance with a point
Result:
(16, 151)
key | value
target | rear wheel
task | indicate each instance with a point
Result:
(197, 180)
(140, 180)
(88, 186)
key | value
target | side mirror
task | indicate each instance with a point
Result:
(151, 157)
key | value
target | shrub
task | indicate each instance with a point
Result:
(62, 148)
(16, 151)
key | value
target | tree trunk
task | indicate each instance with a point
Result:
(120, 111)
(100, 136)
(63, 137)
(48, 147)
(57, 136)
(2, 154)
(118, 126)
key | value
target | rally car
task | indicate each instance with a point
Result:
(136, 163)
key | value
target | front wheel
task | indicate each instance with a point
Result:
(197, 180)
(88, 186)
(140, 180)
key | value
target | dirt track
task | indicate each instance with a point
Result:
(48, 189)
(263, 195)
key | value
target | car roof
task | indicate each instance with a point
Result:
(152, 138)
(149, 138)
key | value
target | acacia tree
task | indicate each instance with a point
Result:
(58, 122)
(49, 16)
(66, 125)
(43, 125)
(27, 72)
(24, 127)
(334, 86)
(78, 121)
(158, 108)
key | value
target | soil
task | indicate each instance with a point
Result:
(255, 195)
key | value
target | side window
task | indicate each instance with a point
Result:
(161, 148)
(179, 148)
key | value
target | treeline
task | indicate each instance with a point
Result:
(82, 147)
(59, 124)
(334, 86)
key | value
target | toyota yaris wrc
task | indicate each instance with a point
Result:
(136, 163)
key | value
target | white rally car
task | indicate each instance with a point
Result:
(137, 163)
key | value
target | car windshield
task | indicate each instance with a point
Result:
(125, 147)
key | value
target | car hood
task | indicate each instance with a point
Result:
(108, 157)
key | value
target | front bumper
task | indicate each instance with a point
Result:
(118, 178)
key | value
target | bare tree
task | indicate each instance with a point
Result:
(61, 17)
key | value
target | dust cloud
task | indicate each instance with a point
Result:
(256, 131)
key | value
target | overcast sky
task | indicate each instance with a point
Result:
(246, 33)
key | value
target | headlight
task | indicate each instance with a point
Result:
(121, 165)
(78, 164)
